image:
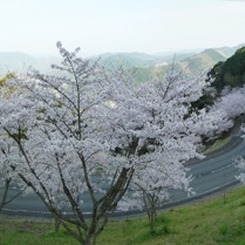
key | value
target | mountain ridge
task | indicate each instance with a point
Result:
(191, 62)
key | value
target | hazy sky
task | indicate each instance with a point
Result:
(98, 26)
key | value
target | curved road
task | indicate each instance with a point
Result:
(216, 172)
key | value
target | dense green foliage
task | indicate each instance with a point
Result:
(224, 73)
(229, 73)
(217, 221)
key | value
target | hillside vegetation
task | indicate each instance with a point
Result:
(229, 73)
(219, 220)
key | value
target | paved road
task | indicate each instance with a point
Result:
(216, 172)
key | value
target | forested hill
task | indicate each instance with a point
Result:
(229, 73)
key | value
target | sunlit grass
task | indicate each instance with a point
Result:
(212, 221)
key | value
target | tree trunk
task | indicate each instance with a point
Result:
(152, 219)
(152, 215)
(4, 198)
(91, 240)
(57, 224)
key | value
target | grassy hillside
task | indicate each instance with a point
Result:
(219, 220)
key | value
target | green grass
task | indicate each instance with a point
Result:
(217, 145)
(212, 221)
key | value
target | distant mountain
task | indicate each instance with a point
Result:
(129, 60)
(126, 59)
(206, 59)
(146, 65)
(150, 66)
(203, 61)
(19, 62)
(14, 61)
(191, 64)
(229, 51)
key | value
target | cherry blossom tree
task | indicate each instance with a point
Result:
(8, 176)
(164, 136)
(232, 102)
(240, 163)
(150, 195)
(90, 132)
(54, 126)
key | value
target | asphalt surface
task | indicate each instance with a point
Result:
(214, 173)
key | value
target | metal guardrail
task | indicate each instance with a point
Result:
(120, 214)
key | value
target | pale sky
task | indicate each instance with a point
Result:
(98, 26)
